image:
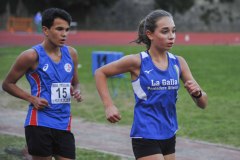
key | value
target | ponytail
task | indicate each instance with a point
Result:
(142, 37)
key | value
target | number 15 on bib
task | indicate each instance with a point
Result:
(60, 93)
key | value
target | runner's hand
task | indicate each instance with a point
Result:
(77, 95)
(192, 87)
(39, 103)
(112, 114)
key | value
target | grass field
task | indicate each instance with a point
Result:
(214, 67)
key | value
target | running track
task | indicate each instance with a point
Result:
(117, 38)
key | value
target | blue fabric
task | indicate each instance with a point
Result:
(156, 94)
(56, 116)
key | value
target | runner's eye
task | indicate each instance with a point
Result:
(164, 31)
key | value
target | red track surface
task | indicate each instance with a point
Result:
(118, 38)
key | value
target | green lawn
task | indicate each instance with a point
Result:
(214, 67)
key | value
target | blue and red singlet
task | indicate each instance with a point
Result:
(51, 81)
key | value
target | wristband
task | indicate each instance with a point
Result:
(199, 96)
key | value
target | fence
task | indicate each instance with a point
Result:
(20, 24)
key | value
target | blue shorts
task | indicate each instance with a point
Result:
(45, 142)
(146, 147)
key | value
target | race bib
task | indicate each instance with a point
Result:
(60, 93)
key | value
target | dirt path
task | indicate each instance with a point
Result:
(115, 139)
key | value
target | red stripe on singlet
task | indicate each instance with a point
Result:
(33, 118)
(69, 124)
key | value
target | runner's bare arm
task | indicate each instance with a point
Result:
(26, 61)
(191, 85)
(128, 63)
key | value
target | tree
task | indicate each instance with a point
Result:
(12, 5)
(33, 6)
(174, 6)
(69, 5)
(215, 14)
